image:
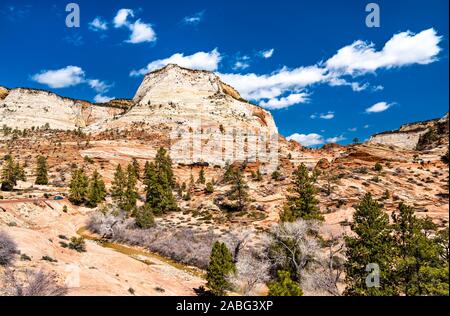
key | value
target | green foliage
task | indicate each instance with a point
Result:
(284, 286)
(427, 139)
(118, 186)
(201, 176)
(41, 171)
(78, 244)
(96, 190)
(276, 175)
(378, 167)
(239, 191)
(302, 203)
(228, 174)
(144, 217)
(78, 187)
(130, 193)
(220, 266)
(421, 265)
(11, 173)
(445, 157)
(159, 182)
(371, 243)
(136, 168)
(209, 189)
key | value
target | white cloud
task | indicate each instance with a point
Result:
(99, 98)
(72, 76)
(267, 53)
(195, 18)
(200, 61)
(242, 63)
(121, 18)
(257, 87)
(98, 25)
(327, 116)
(379, 107)
(353, 129)
(281, 103)
(141, 32)
(402, 49)
(313, 116)
(60, 78)
(312, 139)
(336, 139)
(366, 126)
(98, 85)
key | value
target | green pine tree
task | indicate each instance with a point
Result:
(284, 286)
(78, 187)
(41, 171)
(239, 191)
(11, 173)
(136, 168)
(201, 177)
(163, 164)
(371, 244)
(130, 193)
(118, 186)
(158, 189)
(220, 266)
(228, 174)
(96, 191)
(421, 266)
(302, 203)
(144, 217)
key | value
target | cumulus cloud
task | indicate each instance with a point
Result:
(312, 139)
(336, 139)
(281, 103)
(98, 85)
(379, 107)
(267, 53)
(141, 32)
(200, 61)
(60, 78)
(258, 87)
(98, 25)
(327, 116)
(405, 48)
(99, 98)
(72, 76)
(195, 18)
(121, 18)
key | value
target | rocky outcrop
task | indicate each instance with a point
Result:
(408, 136)
(24, 108)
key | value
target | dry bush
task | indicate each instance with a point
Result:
(183, 245)
(8, 249)
(33, 284)
(251, 271)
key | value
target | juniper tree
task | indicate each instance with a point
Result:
(371, 244)
(302, 202)
(96, 191)
(41, 171)
(78, 187)
(284, 286)
(421, 266)
(239, 191)
(220, 266)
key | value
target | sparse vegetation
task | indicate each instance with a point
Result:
(8, 249)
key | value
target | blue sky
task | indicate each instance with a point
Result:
(323, 74)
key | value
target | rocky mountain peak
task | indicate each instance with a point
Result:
(174, 82)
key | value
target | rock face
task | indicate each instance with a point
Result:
(24, 108)
(199, 116)
(205, 119)
(409, 135)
